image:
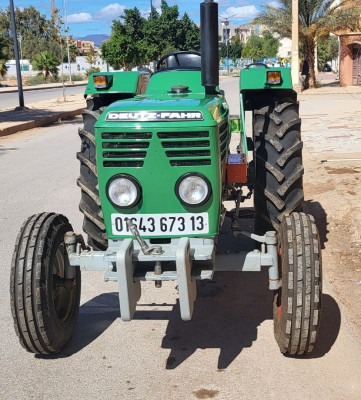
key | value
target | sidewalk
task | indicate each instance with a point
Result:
(40, 114)
(13, 89)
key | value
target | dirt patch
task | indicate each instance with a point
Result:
(205, 394)
(341, 171)
(335, 203)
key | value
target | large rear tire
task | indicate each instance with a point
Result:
(278, 160)
(297, 304)
(44, 304)
(93, 224)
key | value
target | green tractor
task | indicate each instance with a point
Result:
(155, 171)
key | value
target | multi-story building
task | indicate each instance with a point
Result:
(244, 33)
(84, 46)
(226, 31)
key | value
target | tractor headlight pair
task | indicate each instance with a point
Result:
(192, 189)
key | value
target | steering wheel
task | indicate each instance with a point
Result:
(174, 61)
(257, 65)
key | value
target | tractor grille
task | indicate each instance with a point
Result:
(125, 149)
(223, 140)
(186, 148)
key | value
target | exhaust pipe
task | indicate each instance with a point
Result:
(209, 46)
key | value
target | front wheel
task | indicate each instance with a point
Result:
(44, 303)
(297, 304)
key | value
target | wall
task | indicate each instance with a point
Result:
(346, 58)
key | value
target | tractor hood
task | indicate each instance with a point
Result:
(167, 101)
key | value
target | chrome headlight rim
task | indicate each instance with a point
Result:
(187, 175)
(132, 180)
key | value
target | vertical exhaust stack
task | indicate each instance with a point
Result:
(209, 46)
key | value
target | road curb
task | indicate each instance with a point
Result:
(14, 89)
(23, 126)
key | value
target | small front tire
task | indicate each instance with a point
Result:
(44, 304)
(297, 304)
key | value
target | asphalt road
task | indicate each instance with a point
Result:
(226, 352)
(10, 100)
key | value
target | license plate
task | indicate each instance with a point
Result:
(161, 224)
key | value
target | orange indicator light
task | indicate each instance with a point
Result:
(274, 77)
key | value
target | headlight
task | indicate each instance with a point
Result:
(193, 189)
(123, 191)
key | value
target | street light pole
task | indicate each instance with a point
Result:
(67, 39)
(16, 52)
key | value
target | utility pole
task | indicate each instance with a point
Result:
(228, 34)
(17, 61)
(295, 57)
(67, 38)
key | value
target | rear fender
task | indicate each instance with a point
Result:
(129, 83)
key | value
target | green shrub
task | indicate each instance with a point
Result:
(40, 79)
(77, 77)
(92, 71)
(36, 80)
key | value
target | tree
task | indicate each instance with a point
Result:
(136, 40)
(327, 50)
(3, 57)
(46, 62)
(126, 46)
(270, 45)
(317, 18)
(188, 34)
(235, 48)
(222, 51)
(38, 34)
(253, 48)
(265, 46)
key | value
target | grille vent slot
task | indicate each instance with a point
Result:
(182, 135)
(119, 144)
(186, 148)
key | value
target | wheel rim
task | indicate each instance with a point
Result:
(64, 290)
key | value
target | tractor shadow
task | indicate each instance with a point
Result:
(227, 314)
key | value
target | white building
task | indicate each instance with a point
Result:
(81, 66)
(25, 67)
(285, 49)
(226, 32)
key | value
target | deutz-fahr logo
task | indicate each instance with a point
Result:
(154, 116)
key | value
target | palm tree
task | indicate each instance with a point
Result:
(317, 18)
(47, 62)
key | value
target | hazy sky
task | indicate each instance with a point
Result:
(86, 17)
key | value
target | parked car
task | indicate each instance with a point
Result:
(326, 68)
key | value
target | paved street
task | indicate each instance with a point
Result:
(331, 127)
(11, 100)
(226, 352)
